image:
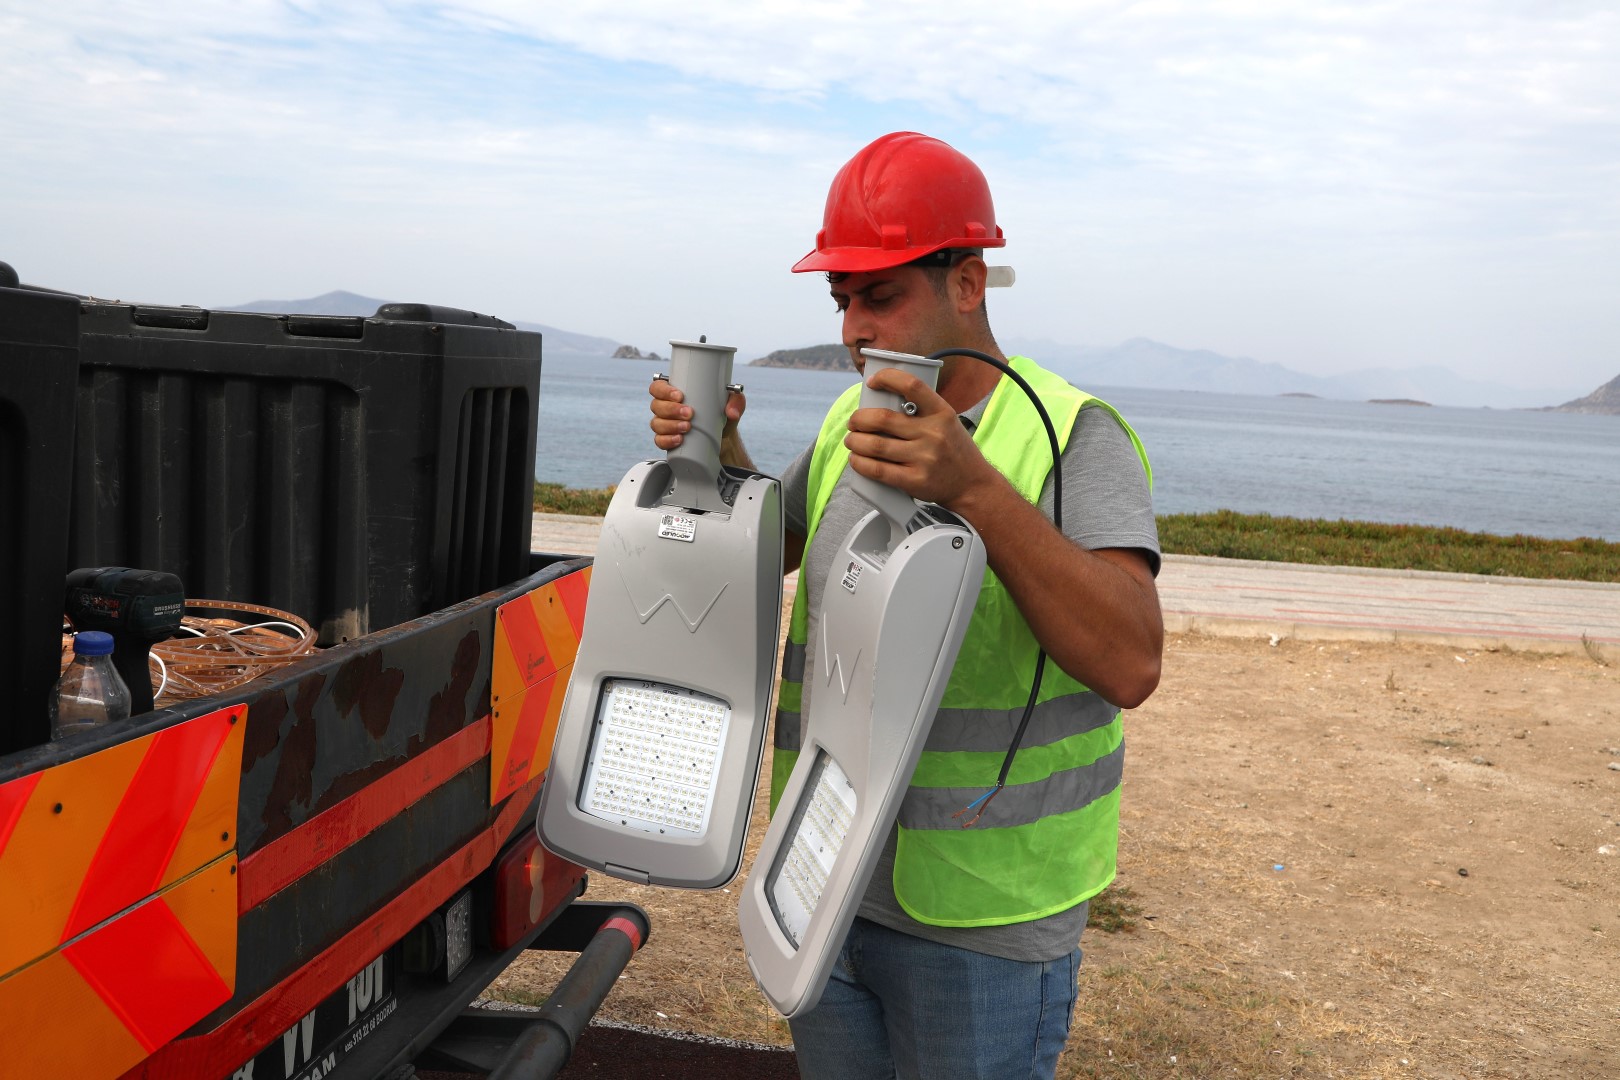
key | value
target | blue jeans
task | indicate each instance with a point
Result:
(900, 1006)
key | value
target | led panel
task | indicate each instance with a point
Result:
(820, 827)
(655, 757)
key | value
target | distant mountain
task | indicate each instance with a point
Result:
(336, 302)
(564, 342)
(1605, 400)
(814, 358)
(1152, 364)
(347, 303)
(1138, 362)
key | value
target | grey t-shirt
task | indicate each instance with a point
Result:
(1106, 504)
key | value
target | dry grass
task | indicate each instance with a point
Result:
(1297, 822)
(1168, 1015)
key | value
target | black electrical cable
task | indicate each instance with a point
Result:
(1057, 519)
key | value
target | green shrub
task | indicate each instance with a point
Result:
(556, 499)
(1317, 541)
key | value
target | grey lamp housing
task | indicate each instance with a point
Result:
(662, 730)
(894, 612)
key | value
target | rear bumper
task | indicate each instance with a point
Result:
(535, 1045)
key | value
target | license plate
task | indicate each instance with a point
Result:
(312, 1047)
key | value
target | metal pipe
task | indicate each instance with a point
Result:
(894, 504)
(701, 372)
(546, 1044)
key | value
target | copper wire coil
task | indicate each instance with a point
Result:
(218, 650)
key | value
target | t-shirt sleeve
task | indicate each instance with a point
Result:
(795, 480)
(1106, 499)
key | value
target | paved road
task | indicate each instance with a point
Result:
(1233, 597)
(612, 1051)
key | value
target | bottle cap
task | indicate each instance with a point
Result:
(93, 643)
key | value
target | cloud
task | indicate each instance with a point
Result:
(1338, 181)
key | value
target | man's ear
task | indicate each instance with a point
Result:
(967, 283)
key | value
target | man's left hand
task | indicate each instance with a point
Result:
(929, 455)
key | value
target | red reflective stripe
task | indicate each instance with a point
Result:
(239, 1037)
(13, 797)
(526, 736)
(312, 844)
(146, 828)
(530, 649)
(628, 928)
(572, 590)
(150, 973)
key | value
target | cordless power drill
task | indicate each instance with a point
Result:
(139, 608)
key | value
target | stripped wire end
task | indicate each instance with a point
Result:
(981, 802)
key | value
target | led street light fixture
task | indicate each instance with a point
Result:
(662, 730)
(893, 615)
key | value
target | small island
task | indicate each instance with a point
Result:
(1399, 401)
(1604, 401)
(630, 352)
(814, 358)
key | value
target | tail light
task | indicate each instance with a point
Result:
(530, 883)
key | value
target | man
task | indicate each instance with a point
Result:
(962, 961)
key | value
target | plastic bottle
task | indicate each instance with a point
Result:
(91, 692)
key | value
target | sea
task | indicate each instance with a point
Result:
(1545, 474)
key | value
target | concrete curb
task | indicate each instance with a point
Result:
(1236, 627)
(1379, 571)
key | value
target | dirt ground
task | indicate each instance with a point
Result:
(1344, 860)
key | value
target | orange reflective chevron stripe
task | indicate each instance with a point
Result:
(149, 971)
(133, 858)
(536, 639)
(517, 627)
(39, 1041)
(13, 797)
(118, 893)
(572, 591)
(539, 631)
(217, 1051)
(56, 1022)
(52, 844)
(526, 717)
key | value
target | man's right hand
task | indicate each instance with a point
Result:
(672, 417)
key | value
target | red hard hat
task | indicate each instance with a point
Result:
(903, 196)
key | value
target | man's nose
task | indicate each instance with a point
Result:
(857, 329)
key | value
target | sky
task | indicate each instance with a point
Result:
(1329, 186)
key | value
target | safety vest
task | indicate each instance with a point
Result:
(1048, 840)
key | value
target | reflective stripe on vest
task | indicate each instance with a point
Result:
(1047, 841)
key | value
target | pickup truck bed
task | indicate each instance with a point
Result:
(310, 875)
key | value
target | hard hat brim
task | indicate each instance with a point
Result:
(861, 260)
